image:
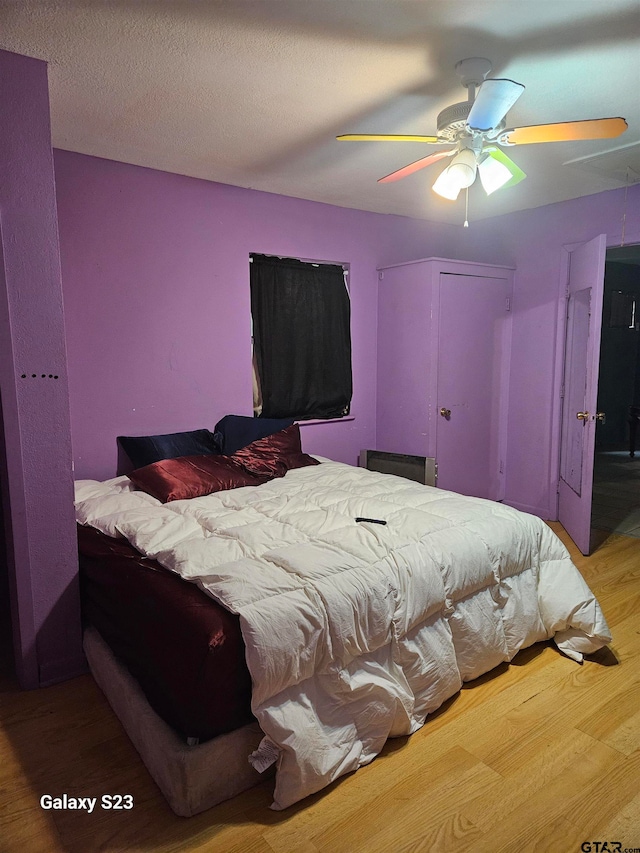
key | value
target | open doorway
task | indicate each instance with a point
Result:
(616, 479)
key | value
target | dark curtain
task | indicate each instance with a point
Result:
(302, 342)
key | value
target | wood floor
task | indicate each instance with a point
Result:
(542, 755)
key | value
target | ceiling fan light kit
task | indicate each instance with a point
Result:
(477, 127)
(459, 175)
(493, 174)
(446, 187)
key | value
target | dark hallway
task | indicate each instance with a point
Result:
(616, 485)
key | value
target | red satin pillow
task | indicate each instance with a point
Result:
(275, 454)
(192, 477)
(197, 476)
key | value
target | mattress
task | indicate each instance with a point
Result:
(184, 649)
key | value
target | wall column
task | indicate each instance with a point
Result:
(37, 480)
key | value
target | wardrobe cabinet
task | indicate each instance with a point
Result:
(444, 342)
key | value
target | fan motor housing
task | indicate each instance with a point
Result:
(453, 119)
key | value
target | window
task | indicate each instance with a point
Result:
(301, 338)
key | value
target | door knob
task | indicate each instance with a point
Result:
(601, 416)
(582, 416)
(446, 413)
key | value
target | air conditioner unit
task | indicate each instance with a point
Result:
(421, 469)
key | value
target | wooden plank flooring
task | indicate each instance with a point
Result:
(541, 755)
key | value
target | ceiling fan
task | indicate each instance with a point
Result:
(476, 129)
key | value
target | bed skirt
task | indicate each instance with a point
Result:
(192, 778)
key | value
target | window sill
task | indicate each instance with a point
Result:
(327, 420)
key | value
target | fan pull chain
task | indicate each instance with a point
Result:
(466, 208)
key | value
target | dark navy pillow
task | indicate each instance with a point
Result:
(234, 432)
(146, 449)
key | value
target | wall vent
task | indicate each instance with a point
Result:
(421, 469)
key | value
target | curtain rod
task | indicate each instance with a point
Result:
(345, 267)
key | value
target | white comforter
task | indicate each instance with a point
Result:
(355, 631)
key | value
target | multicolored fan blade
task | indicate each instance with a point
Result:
(386, 137)
(566, 131)
(494, 99)
(415, 167)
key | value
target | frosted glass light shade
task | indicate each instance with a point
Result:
(463, 168)
(493, 174)
(460, 174)
(446, 185)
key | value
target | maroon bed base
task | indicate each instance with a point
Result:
(183, 648)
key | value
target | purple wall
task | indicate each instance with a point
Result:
(156, 292)
(33, 385)
(533, 241)
(155, 277)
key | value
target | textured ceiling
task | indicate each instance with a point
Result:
(254, 93)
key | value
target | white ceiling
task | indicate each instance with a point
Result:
(253, 93)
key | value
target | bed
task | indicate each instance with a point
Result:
(362, 601)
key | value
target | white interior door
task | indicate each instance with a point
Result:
(580, 389)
